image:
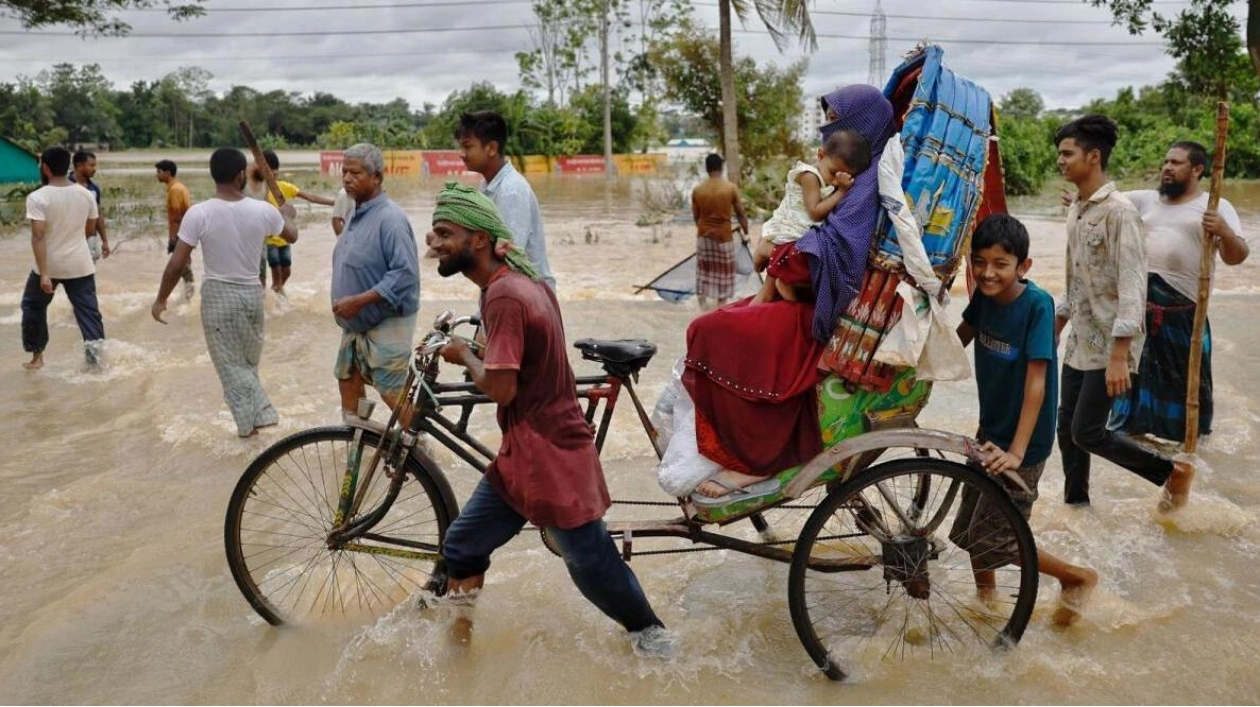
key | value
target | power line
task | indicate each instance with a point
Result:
(420, 30)
(314, 33)
(945, 40)
(364, 6)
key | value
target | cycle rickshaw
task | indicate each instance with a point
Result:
(349, 520)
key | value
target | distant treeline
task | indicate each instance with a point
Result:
(1150, 119)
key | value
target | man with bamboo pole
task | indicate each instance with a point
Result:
(1176, 217)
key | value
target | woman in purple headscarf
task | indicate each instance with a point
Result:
(752, 369)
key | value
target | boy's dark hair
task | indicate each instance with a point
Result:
(713, 163)
(850, 146)
(485, 125)
(225, 164)
(57, 159)
(272, 161)
(167, 166)
(83, 156)
(1002, 230)
(1196, 153)
(1091, 132)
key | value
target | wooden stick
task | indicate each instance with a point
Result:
(1206, 256)
(260, 163)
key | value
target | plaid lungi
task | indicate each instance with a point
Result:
(715, 268)
(232, 319)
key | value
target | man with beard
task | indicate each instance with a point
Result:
(375, 285)
(230, 228)
(1175, 217)
(547, 470)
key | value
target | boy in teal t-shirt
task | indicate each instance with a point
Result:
(1012, 322)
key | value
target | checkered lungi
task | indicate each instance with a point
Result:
(715, 268)
(232, 319)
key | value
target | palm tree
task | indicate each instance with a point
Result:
(781, 18)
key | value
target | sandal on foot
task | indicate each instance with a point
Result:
(769, 487)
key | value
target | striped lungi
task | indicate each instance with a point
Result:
(232, 319)
(715, 268)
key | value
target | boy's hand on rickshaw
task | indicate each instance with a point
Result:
(998, 460)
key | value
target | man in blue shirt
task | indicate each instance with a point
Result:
(84, 169)
(482, 136)
(375, 284)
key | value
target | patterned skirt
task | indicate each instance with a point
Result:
(1156, 404)
(715, 268)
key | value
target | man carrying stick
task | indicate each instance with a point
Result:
(230, 228)
(1176, 216)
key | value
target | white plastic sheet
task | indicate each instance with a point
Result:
(925, 337)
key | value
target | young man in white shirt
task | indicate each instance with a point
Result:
(63, 215)
(482, 137)
(231, 229)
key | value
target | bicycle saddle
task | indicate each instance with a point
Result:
(623, 357)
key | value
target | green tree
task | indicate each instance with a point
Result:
(1022, 103)
(82, 102)
(91, 16)
(1204, 38)
(25, 114)
(781, 18)
(768, 100)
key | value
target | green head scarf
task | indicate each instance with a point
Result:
(468, 207)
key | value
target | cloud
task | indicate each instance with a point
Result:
(431, 58)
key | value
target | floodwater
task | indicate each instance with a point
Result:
(116, 589)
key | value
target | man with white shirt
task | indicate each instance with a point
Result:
(482, 137)
(1175, 217)
(231, 229)
(62, 215)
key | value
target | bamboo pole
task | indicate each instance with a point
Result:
(260, 163)
(1207, 255)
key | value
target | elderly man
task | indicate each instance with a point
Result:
(1175, 217)
(547, 471)
(375, 284)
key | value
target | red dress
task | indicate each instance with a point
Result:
(752, 372)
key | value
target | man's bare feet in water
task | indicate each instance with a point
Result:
(713, 489)
(36, 362)
(1074, 593)
(1176, 490)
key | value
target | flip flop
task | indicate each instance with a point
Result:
(769, 487)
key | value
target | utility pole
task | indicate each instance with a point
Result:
(609, 169)
(879, 45)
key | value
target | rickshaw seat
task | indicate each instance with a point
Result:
(621, 357)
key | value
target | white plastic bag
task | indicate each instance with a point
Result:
(663, 413)
(743, 257)
(683, 468)
(925, 337)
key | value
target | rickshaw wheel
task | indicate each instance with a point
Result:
(884, 567)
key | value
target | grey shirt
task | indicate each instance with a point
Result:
(519, 208)
(377, 251)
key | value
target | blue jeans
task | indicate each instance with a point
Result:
(82, 294)
(487, 522)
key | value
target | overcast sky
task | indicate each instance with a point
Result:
(1066, 50)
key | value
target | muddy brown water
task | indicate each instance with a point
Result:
(115, 484)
